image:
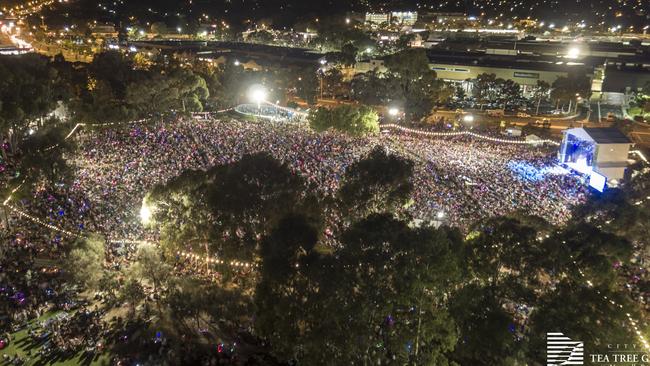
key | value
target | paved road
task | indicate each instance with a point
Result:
(558, 123)
(605, 110)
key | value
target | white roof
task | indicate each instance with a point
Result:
(579, 133)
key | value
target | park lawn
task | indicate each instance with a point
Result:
(244, 117)
(638, 111)
(20, 344)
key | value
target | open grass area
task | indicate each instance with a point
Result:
(23, 345)
(638, 111)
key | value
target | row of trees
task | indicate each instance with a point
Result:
(409, 83)
(488, 89)
(117, 90)
(30, 88)
(113, 87)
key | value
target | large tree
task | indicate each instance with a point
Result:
(379, 298)
(306, 84)
(569, 88)
(357, 121)
(86, 260)
(44, 155)
(160, 93)
(593, 315)
(30, 88)
(408, 82)
(381, 182)
(224, 209)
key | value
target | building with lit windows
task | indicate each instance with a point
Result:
(404, 17)
(377, 18)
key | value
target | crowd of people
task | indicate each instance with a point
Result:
(459, 178)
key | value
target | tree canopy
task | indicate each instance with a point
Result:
(356, 121)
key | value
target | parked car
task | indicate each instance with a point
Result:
(496, 112)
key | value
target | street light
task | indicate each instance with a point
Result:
(393, 111)
(468, 118)
(321, 75)
(573, 52)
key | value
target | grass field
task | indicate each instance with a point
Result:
(21, 344)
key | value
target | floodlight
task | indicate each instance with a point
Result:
(257, 94)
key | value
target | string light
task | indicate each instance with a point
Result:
(216, 260)
(468, 133)
(41, 222)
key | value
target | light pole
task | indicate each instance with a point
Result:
(321, 73)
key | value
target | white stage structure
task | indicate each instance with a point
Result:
(599, 153)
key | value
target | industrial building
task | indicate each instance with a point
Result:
(462, 67)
